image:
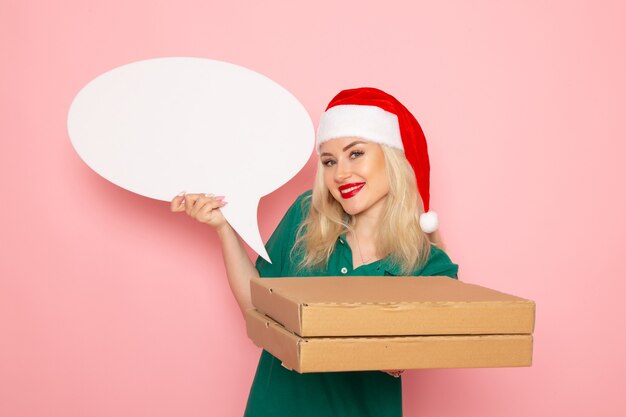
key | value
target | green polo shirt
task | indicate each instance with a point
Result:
(277, 391)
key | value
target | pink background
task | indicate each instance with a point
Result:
(112, 306)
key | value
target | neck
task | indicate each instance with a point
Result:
(362, 240)
(365, 224)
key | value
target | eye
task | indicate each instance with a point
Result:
(328, 162)
(356, 153)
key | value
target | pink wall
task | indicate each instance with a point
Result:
(112, 306)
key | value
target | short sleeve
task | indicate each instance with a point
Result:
(283, 239)
(438, 264)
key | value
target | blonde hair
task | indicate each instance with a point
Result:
(399, 234)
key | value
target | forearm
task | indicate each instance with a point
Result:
(239, 267)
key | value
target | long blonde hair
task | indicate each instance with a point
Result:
(399, 234)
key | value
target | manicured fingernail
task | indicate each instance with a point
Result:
(224, 203)
(181, 193)
(208, 195)
(219, 197)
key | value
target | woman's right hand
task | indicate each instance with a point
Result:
(205, 208)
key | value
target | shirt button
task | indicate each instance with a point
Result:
(344, 270)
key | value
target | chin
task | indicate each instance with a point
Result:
(351, 209)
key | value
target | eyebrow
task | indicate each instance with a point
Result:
(356, 142)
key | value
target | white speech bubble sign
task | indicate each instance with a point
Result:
(160, 126)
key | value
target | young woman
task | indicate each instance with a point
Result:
(364, 216)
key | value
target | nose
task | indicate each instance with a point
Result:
(342, 172)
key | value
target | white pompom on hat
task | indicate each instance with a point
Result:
(374, 115)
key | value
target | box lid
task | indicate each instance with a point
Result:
(377, 306)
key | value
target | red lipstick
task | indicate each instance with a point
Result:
(350, 190)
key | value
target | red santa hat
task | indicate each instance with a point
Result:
(376, 116)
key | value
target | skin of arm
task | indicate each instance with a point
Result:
(205, 208)
(239, 267)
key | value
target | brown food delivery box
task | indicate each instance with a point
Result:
(330, 324)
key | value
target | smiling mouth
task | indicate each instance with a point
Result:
(350, 190)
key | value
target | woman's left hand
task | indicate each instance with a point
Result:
(396, 373)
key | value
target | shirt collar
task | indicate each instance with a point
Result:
(386, 264)
(390, 267)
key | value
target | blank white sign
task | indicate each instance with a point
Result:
(161, 126)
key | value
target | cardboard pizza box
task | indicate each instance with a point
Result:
(390, 306)
(334, 354)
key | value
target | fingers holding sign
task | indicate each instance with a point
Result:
(204, 208)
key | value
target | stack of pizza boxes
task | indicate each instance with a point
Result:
(330, 324)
